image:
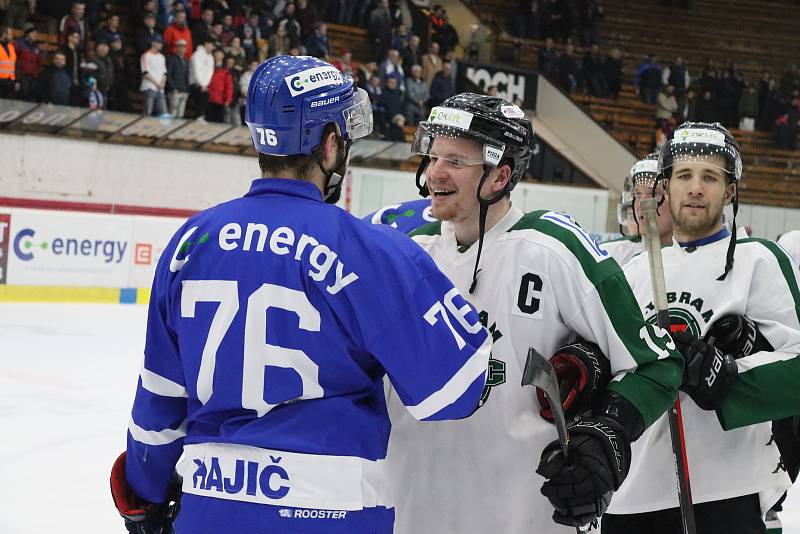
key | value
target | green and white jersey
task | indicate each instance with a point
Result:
(543, 280)
(623, 248)
(726, 458)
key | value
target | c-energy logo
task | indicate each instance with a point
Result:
(25, 246)
(23, 242)
(310, 79)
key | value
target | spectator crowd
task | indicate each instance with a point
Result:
(196, 57)
(403, 78)
(199, 55)
(186, 51)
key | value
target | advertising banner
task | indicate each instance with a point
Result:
(84, 249)
(511, 83)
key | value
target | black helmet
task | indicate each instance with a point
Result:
(696, 142)
(498, 125)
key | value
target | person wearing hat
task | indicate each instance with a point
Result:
(178, 79)
(29, 62)
(154, 78)
(97, 100)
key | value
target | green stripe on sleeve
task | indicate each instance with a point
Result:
(770, 391)
(787, 268)
(748, 404)
(653, 385)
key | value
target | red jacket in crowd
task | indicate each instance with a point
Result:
(220, 90)
(173, 34)
(29, 59)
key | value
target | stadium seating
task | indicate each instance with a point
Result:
(766, 41)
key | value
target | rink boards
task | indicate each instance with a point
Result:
(62, 256)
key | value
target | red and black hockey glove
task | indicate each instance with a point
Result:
(142, 517)
(583, 372)
(708, 373)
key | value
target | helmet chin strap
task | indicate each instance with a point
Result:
(334, 178)
(732, 242)
(422, 185)
(484, 211)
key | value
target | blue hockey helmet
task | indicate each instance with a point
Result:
(291, 99)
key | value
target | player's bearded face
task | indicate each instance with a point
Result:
(697, 195)
(452, 177)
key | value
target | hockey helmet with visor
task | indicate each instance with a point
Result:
(712, 145)
(290, 100)
(497, 125)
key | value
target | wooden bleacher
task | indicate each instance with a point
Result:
(47, 42)
(756, 34)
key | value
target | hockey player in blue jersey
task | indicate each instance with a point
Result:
(405, 217)
(273, 320)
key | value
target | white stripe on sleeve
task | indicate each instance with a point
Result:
(762, 358)
(457, 385)
(156, 437)
(159, 385)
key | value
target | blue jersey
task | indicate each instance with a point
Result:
(272, 322)
(406, 217)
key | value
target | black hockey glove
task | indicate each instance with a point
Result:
(583, 372)
(143, 517)
(737, 335)
(580, 489)
(708, 373)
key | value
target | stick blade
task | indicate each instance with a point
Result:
(539, 372)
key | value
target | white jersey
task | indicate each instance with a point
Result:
(542, 281)
(722, 463)
(623, 249)
(790, 241)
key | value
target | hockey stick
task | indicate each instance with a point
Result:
(653, 243)
(540, 373)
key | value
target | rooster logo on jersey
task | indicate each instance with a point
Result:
(681, 321)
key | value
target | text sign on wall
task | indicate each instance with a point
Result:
(510, 83)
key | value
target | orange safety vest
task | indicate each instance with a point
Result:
(7, 61)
